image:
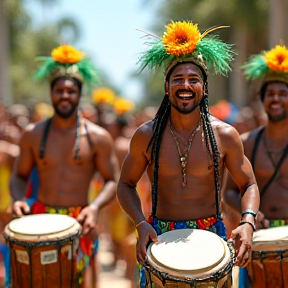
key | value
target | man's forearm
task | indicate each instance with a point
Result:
(130, 202)
(251, 198)
(106, 195)
(18, 187)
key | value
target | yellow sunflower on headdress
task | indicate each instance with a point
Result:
(66, 54)
(277, 59)
(181, 38)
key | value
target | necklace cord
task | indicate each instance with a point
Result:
(184, 158)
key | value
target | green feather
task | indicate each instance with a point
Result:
(155, 56)
(45, 68)
(255, 67)
(216, 54)
(89, 73)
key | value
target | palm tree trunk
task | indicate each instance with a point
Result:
(5, 82)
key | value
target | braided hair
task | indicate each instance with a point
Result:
(159, 123)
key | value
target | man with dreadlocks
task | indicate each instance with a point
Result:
(184, 149)
(66, 150)
(266, 147)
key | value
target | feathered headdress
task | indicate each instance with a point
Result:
(268, 65)
(66, 61)
(182, 42)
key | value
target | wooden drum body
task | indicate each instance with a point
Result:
(269, 265)
(189, 258)
(43, 251)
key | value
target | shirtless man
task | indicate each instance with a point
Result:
(185, 151)
(67, 150)
(266, 147)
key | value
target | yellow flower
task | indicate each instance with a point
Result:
(277, 59)
(181, 38)
(66, 54)
(103, 95)
(122, 105)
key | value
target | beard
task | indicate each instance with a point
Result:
(184, 109)
(65, 114)
(277, 118)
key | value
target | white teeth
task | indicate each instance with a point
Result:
(275, 106)
(185, 95)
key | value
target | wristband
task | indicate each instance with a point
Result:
(136, 226)
(249, 211)
(247, 222)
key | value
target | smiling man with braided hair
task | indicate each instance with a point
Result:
(184, 149)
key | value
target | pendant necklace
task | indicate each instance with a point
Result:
(184, 158)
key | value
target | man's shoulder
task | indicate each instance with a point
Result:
(222, 128)
(35, 128)
(97, 133)
(145, 130)
(250, 136)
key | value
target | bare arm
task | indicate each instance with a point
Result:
(241, 171)
(22, 167)
(107, 165)
(232, 197)
(133, 167)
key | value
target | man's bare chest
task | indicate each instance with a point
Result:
(63, 149)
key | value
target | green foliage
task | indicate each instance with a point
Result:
(25, 43)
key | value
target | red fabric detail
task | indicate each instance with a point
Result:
(150, 219)
(206, 223)
(38, 208)
(171, 225)
(29, 190)
(86, 246)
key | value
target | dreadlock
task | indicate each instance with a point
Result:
(159, 123)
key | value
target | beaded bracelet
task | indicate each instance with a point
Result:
(248, 211)
(251, 224)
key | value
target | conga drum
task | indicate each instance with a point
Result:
(43, 251)
(269, 265)
(189, 258)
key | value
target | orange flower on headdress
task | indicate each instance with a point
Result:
(122, 105)
(181, 38)
(66, 54)
(103, 95)
(277, 59)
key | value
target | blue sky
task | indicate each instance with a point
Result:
(108, 34)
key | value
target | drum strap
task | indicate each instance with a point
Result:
(277, 167)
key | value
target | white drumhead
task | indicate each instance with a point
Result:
(41, 224)
(188, 250)
(271, 234)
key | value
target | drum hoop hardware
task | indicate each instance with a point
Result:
(164, 276)
(260, 254)
(40, 243)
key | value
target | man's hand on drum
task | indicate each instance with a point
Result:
(242, 240)
(21, 208)
(88, 219)
(261, 221)
(146, 233)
